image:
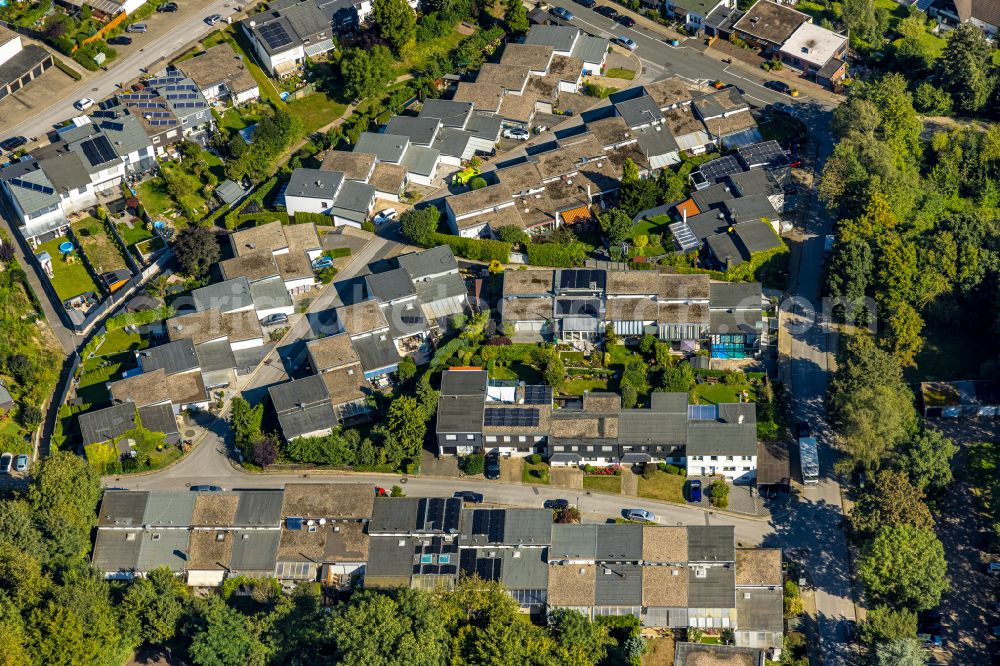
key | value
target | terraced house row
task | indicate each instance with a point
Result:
(667, 576)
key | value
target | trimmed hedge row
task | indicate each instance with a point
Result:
(138, 318)
(233, 217)
(556, 255)
(474, 248)
(315, 218)
(338, 252)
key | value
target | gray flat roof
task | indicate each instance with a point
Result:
(169, 508)
(760, 609)
(309, 419)
(464, 382)
(387, 558)
(735, 295)
(259, 508)
(355, 196)
(559, 37)
(421, 131)
(295, 394)
(173, 357)
(617, 543)
(460, 414)
(390, 286)
(525, 568)
(227, 296)
(639, 111)
(573, 542)
(105, 424)
(122, 508)
(449, 112)
(711, 543)
(436, 260)
(376, 353)
(386, 147)
(590, 49)
(484, 125)
(528, 527)
(416, 515)
(255, 550)
(446, 286)
(716, 589)
(314, 183)
(452, 141)
(656, 141)
(421, 160)
(618, 584)
(117, 550)
(270, 293)
(215, 355)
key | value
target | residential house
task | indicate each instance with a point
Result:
(183, 390)
(213, 360)
(347, 201)
(460, 411)
(727, 117)
(114, 423)
(722, 440)
(982, 13)
(292, 248)
(472, 214)
(767, 25)
(221, 75)
(960, 399)
(19, 64)
(669, 93)
(759, 599)
(696, 654)
(421, 162)
(304, 408)
(241, 330)
(440, 289)
(366, 324)
(737, 326)
(536, 57)
(818, 53)
(171, 107)
(287, 33)
(693, 13)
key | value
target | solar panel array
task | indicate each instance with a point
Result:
(185, 95)
(703, 412)
(683, 235)
(581, 278)
(189, 105)
(438, 514)
(577, 307)
(149, 105)
(136, 97)
(115, 127)
(768, 153)
(511, 417)
(99, 150)
(164, 80)
(160, 114)
(179, 88)
(489, 523)
(166, 121)
(274, 35)
(104, 114)
(718, 169)
(487, 568)
(34, 187)
(537, 394)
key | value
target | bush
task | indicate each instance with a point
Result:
(316, 218)
(662, 466)
(556, 255)
(477, 183)
(718, 494)
(649, 471)
(473, 248)
(396, 491)
(672, 469)
(536, 458)
(473, 464)
(368, 226)
(588, 469)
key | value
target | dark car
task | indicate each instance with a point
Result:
(802, 430)
(13, 143)
(564, 14)
(207, 489)
(626, 21)
(167, 7)
(120, 40)
(779, 86)
(608, 12)
(276, 318)
(492, 470)
(589, 4)
(469, 496)
(557, 504)
(6, 461)
(694, 490)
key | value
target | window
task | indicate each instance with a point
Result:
(450, 438)
(713, 458)
(729, 457)
(606, 448)
(470, 437)
(522, 439)
(491, 438)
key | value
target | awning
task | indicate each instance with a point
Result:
(631, 458)
(565, 458)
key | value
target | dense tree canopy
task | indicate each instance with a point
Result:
(196, 250)
(396, 22)
(904, 566)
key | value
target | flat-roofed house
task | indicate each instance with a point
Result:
(466, 212)
(767, 25)
(221, 74)
(817, 52)
(303, 407)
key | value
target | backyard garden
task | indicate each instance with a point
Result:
(100, 248)
(70, 276)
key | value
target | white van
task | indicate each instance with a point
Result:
(136, 27)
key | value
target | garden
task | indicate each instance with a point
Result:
(101, 249)
(535, 471)
(70, 276)
(603, 479)
(663, 482)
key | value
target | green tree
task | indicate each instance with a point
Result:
(512, 234)
(965, 69)
(873, 421)
(616, 225)
(579, 641)
(406, 370)
(477, 183)
(792, 599)
(365, 72)
(516, 17)
(893, 501)
(718, 493)
(900, 652)
(859, 18)
(630, 396)
(397, 24)
(473, 464)
(63, 494)
(223, 637)
(904, 566)
(419, 226)
(12, 644)
(196, 250)
(884, 624)
(927, 460)
(902, 335)
(610, 337)
(246, 423)
(21, 578)
(407, 421)
(152, 607)
(57, 638)
(677, 378)
(646, 343)
(18, 528)
(931, 100)
(554, 373)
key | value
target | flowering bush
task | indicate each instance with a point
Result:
(610, 470)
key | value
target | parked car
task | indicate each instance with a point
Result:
(492, 469)
(137, 27)
(13, 143)
(784, 109)
(516, 133)
(120, 40)
(622, 40)
(388, 215)
(607, 12)
(469, 496)
(557, 504)
(167, 7)
(993, 568)
(21, 463)
(640, 514)
(564, 14)
(934, 641)
(694, 490)
(589, 4)
(206, 488)
(213, 19)
(322, 262)
(83, 104)
(778, 86)
(275, 319)
(5, 463)
(626, 21)
(802, 430)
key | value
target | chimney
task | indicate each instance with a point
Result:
(684, 214)
(741, 419)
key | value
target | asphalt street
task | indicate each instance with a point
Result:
(152, 54)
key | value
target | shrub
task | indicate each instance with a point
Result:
(662, 466)
(477, 183)
(718, 494)
(536, 458)
(671, 469)
(396, 491)
(473, 248)
(368, 226)
(588, 468)
(473, 464)
(557, 255)
(649, 471)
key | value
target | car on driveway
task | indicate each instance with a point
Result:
(607, 12)
(5, 463)
(320, 263)
(622, 40)
(626, 21)
(564, 14)
(469, 496)
(120, 40)
(275, 319)
(137, 27)
(167, 7)
(21, 463)
(213, 19)
(640, 514)
(778, 86)
(492, 468)
(206, 488)
(556, 504)
(694, 490)
(13, 143)
(388, 215)
(83, 104)
(516, 133)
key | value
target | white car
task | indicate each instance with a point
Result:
(516, 133)
(388, 215)
(213, 19)
(83, 104)
(626, 42)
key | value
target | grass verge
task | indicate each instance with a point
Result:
(604, 484)
(663, 486)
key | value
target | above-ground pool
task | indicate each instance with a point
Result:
(66, 247)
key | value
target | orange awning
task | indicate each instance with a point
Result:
(574, 215)
(687, 206)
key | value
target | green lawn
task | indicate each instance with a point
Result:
(418, 57)
(134, 234)
(604, 484)
(574, 359)
(214, 164)
(315, 111)
(538, 474)
(121, 340)
(620, 73)
(70, 278)
(578, 386)
(517, 371)
(952, 353)
(715, 394)
(663, 486)
(267, 88)
(154, 197)
(99, 247)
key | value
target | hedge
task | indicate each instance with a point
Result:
(138, 318)
(747, 271)
(337, 252)
(474, 248)
(446, 351)
(233, 220)
(315, 218)
(556, 255)
(66, 69)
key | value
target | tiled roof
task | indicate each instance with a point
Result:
(572, 584)
(362, 317)
(758, 566)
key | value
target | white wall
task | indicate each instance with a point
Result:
(246, 344)
(339, 221)
(293, 286)
(247, 96)
(297, 204)
(737, 470)
(285, 310)
(10, 49)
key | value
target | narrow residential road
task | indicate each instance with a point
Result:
(153, 53)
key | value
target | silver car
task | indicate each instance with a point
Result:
(640, 514)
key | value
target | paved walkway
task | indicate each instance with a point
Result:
(566, 477)
(630, 482)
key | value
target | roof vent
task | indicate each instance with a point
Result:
(700, 573)
(675, 572)
(746, 595)
(245, 536)
(741, 419)
(401, 543)
(582, 571)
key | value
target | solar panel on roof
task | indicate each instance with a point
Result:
(511, 417)
(684, 236)
(164, 80)
(581, 278)
(274, 35)
(98, 150)
(537, 395)
(149, 105)
(719, 168)
(162, 122)
(34, 187)
(104, 114)
(767, 153)
(186, 95)
(116, 127)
